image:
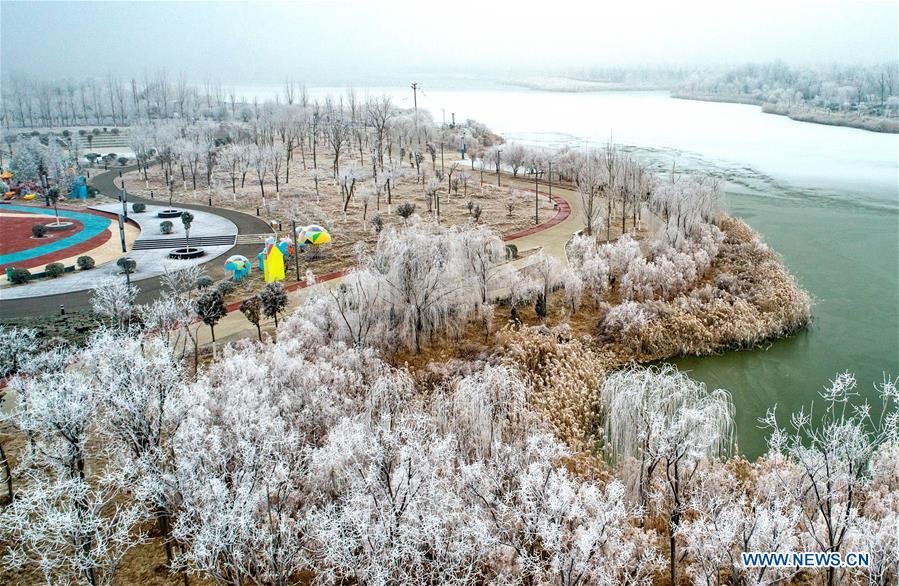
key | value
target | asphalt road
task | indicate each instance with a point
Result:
(149, 288)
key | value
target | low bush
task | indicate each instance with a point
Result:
(226, 286)
(165, 227)
(127, 264)
(139, 207)
(38, 230)
(19, 276)
(511, 251)
(85, 263)
(55, 269)
(377, 223)
(204, 281)
(405, 210)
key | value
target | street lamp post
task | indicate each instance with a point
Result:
(296, 247)
(124, 198)
(536, 175)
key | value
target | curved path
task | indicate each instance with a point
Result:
(149, 288)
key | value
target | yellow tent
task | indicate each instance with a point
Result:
(274, 265)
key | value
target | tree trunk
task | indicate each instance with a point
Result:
(162, 521)
(8, 472)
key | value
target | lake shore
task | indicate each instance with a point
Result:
(801, 113)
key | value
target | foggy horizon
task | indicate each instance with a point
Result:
(332, 43)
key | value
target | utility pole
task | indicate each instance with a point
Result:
(415, 105)
(498, 153)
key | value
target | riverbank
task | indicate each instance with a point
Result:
(801, 113)
(746, 299)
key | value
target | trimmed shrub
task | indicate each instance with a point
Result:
(92, 191)
(139, 207)
(226, 286)
(19, 276)
(55, 269)
(38, 230)
(204, 281)
(122, 161)
(511, 251)
(127, 264)
(405, 210)
(165, 227)
(377, 223)
(85, 263)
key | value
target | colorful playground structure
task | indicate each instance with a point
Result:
(273, 258)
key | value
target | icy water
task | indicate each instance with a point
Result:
(826, 198)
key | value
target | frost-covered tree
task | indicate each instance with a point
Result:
(484, 251)
(424, 281)
(210, 307)
(589, 180)
(140, 385)
(114, 298)
(833, 453)
(547, 269)
(27, 160)
(274, 300)
(667, 424)
(15, 346)
(75, 533)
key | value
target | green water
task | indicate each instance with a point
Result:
(845, 255)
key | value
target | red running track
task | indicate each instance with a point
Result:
(16, 236)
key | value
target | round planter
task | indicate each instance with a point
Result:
(59, 225)
(187, 253)
(169, 214)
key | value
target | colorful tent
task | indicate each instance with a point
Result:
(239, 265)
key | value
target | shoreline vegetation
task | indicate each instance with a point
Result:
(802, 113)
(799, 113)
(863, 96)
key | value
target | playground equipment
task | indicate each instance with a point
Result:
(79, 189)
(271, 259)
(314, 236)
(239, 265)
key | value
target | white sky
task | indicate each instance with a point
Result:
(328, 42)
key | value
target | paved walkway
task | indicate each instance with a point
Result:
(107, 184)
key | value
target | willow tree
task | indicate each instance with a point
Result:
(668, 424)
